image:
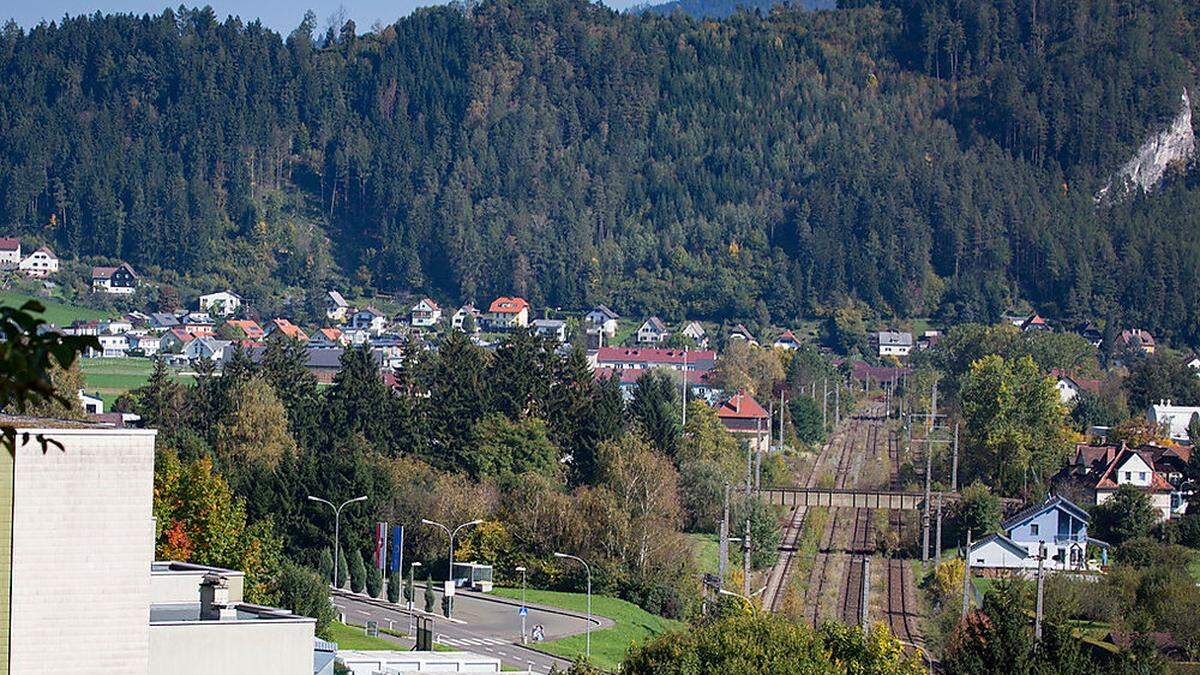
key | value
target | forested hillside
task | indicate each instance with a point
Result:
(920, 156)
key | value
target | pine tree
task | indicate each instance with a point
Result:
(374, 581)
(343, 576)
(358, 572)
(326, 565)
(359, 402)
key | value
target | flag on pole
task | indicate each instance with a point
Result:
(380, 544)
(397, 548)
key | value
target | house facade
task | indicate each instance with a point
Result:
(652, 331)
(335, 306)
(1069, 387)
(507, 313)
(554, 328)
(425, 313)
(113, 346)
(369, 319)
(627, 358)
(120, 280)
(894, 343)
(40, 263)
(10, 253)
(221, 303)
(787, 340)
(285, 328)
(696, 333)
(744, 417)
(1136, 340)
(602, 320)
(1056, 528)
(1174, 419)
(460, 319)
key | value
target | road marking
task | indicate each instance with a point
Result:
(362, 612)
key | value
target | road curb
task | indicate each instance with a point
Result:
(597, 621)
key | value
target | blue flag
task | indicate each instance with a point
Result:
(397, 548)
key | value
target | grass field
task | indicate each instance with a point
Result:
(57, 313)
(113, 377)
(609, 645)
(707, 551)
(353, 637)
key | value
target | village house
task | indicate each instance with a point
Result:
(120, 280)
(555, 328)
(163, 321)
(1088, 331)
(10, 253)
(507, 313)
(1173, 419)
(198, 323)
(701, 384)
(742, 416)
(142, 345)
(285, 328)
(1056, 524)
(627, 358)
(40, 263)
(112, 346)
(221, 303)
(425, 313)
(92, 403)
(116, 326)
(787, 340)
(1095, 473)
(327, 338)
(369, 319)
(335, 306)
(249, 329)
(206, 347)
(1035, 322)
(652, 331)
(460, 319)
(81, 327)
(601, 320)
(1136, 340)
(740, 332)
(174, 340)
(1193, 362)
(1069, 386)
(894, 343)
(696, 333)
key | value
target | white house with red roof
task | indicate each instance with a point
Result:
(1035, 322)
(425, 313)
(507, 313)
(743, 416)
(10, 253)
(787, 340)
(1136, 468)
(1070, 386)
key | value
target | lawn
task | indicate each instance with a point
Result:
(609, 645)
(353, 637)
(707, 551)
(113, 377)
(57, 312)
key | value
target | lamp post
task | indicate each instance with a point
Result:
(337, 515)
(412, 589)
(524, 611)
(451, 533)
(588, 638)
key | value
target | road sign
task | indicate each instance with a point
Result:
(372, 628)
(522, 612)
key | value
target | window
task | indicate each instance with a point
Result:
(1033, 529)
(1128, 475)
(1141, 475)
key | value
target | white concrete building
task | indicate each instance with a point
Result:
(113, 346)
(425, 313)
(894, 343)
(1174, 418)
(459, 320)
(40, 263)
(362, 662)
(10, 253)
(221, 303)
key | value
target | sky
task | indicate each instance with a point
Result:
(281, 15)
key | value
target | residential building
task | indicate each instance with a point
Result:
(1055, 523)
(695, 332)
(459, 320)
(894, 343)
(628, 358)
(335, 306)
(174, 340)
(163, 320)
(1069, 386)
(602, 320)
(113, 346)
(327, 338)
(120, 280)
(143, 345)
(198, 323)
(360, 662)
(40, 263)
(507, 313)
(1136, 340)
(1090, 332)
(1136, 468)
(787, 340)
(701, 383)
(1035, 322)
(425, 313)
(114, 326)
(206, 348)
(249, 329)
(92, 403)
(10, 253)
(743, 416)
(555, 328)
(1193, 362)
(1174, 419)
(652, 331)
(80, 327)
(286, 328)
(369, 319)
(221, 303)
(740, 332)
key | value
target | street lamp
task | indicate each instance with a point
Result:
(588, 648)
(337, 515)
(451, 533)
(412, 589)
(524, 611)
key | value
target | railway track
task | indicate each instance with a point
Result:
(900, 615)
(861, 546)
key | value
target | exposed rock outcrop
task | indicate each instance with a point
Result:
(1172, 147)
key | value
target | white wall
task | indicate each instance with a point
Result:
(83, 541)
(260, 647)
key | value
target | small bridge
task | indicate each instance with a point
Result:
(792, 497)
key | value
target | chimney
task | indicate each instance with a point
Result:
(214, 595)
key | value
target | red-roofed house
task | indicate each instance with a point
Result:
(174, 340)
(787, 340)
(250, 329)
(1069, 386)
(328, 338)
(1035, 322)
(1136, 468)
(507, 313)
(1136, 340)
(285, 327)
(10, 253)
(742, 415)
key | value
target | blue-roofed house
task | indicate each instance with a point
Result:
(1055, 522)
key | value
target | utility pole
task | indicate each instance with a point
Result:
(925, 511)
(866, 592)
(1037, 621)
(683, 416)
(746, 561)
(837, 402)
(825, 404)
(954, 462)
(966, 600)
(723, 545)
(937, 545)
(781, 411)
(933, 408)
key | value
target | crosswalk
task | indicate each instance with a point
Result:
(471, 642)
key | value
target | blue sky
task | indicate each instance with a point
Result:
(281, 15)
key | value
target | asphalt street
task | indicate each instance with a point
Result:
(484, 625)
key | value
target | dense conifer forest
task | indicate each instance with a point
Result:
(924, 157)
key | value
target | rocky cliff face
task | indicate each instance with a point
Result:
(1172, 147)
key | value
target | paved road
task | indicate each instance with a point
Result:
(488, 626)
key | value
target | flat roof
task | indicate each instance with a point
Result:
(189, 612)
(176, 567)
